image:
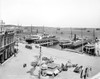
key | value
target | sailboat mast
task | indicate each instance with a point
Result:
(31, 29)
(82, 38)
(71, 33)
(93, 34)
(43, 30)
(1, 27)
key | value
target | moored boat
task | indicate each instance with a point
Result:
(32, 38)
(93, 48)
(89, 49)
(43, 39)
(75, 43)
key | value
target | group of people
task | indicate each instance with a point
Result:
(85, 72)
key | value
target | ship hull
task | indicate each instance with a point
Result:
(74, 45)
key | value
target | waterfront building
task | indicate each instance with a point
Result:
(93, 49)
(97, 48)
(6, 45)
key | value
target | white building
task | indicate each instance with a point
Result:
(97, 48)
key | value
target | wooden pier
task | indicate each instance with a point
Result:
(47, 44)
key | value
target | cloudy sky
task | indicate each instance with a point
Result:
(56, 13)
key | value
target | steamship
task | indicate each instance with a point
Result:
(42, 39)
(75, 43)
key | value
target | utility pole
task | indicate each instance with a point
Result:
(40, 53)
(40, 58)
(39, 61)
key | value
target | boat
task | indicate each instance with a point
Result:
(89, 49)
(93, 48)
(43, 39)
(75, 43)
(64, 43)
(47, 40)
(32, 38)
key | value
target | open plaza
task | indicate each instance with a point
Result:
(13, 67)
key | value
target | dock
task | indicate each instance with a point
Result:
(47, 44)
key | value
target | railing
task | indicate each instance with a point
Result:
(6, 45)
(8, 32)
(48, 43)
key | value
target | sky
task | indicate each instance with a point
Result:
(51, 13)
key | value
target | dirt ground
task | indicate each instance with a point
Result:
(13, 67)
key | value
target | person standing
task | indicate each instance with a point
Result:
(82, 74)
(89, 69)
(86, 73)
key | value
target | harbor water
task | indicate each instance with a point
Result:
(66, 35)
